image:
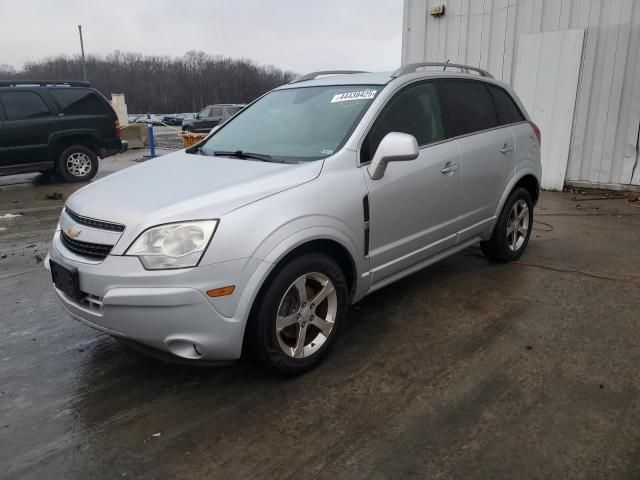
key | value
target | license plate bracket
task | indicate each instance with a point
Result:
(66, 280)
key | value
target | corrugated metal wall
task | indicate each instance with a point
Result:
(484, 33)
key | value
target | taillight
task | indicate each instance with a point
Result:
(536, 130)
(117, 125)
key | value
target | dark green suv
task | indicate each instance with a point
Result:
(56, 126)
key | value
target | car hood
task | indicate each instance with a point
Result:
(181, 186)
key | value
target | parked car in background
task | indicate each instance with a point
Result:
(56, 126)
(170, 119)
(210, 116)
(322, 191)
(156, 120)
(132, 118)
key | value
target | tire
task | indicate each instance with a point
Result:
(506, 243)
(281, 315)
(77, 163)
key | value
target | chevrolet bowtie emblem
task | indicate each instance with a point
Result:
(73, 232)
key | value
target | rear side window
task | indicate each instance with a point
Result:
(216, 112)
(508, 111)
(416, 111)
(233, 110)
(76, 101)
(23, 105)
(470, 106)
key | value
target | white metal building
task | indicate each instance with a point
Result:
(574, 63)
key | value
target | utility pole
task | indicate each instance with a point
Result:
(84, 63)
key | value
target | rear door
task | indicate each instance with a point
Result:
(29, 123)
(487, 157)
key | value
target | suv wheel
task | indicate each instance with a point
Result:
(77, 164)
(513, 229)
(297, 321)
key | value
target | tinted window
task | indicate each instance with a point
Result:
(233, 110)
(22, 105)
(508, 111)
(77, 101)
(416, 111)
(216, 112)
(470, 106)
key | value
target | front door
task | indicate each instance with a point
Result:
(28, 125)
(414, 206)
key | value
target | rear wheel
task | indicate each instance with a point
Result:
(77, 163)
(512, 231)
(298, 318)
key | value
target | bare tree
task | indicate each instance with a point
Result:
(161, 84)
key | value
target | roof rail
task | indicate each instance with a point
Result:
(412, 67)
(314, 75)
(43, 83)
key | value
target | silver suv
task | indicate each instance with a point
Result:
(318, 193)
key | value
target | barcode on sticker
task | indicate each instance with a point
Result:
(360, 95)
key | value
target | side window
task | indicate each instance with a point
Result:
(77, 101)
(204, 112)
(469, 105)
(416, 111)
(23, 105)
(216, 112)
(508, 111)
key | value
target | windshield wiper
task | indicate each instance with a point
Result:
(241, 154)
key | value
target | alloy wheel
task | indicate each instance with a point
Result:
(306, 315)
(78, 164)
(518, 225)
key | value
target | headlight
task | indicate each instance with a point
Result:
(174, 245)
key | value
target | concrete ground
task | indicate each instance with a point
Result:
(465, 370)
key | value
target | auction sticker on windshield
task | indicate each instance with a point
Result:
(360, 95)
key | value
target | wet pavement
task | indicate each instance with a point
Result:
(465, 370)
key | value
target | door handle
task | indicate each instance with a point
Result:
(506, 148)
(449, 168)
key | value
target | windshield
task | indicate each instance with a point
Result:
(296, 124)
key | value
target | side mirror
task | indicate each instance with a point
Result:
(394, 147)
(196, 116)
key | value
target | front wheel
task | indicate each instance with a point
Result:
(297, 320)
(77, 164)
(513, 228)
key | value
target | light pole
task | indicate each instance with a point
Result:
(84, 63)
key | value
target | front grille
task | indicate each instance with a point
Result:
(92, 222)
(93, 250)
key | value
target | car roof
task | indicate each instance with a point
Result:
(372, 78)
(384, 78)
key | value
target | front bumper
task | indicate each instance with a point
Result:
(167, 310)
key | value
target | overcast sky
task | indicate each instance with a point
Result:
(299, 35)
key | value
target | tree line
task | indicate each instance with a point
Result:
(161, 84)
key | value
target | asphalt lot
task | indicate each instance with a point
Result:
(465, 370)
